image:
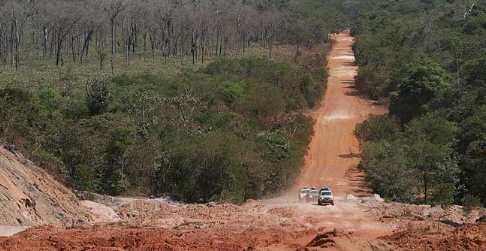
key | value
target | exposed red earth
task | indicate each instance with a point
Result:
(333, 154)
(358, 221)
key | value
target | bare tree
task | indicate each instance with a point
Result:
(166, 28)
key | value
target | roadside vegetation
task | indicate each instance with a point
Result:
(426, 59)
(199, 100)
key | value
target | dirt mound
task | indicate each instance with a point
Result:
(100, 212)
(451, 215)
(163, 225)
(129, 238)
(433, 236)
(425, 227)
(283, 212)
(324, 240)
(29, 196)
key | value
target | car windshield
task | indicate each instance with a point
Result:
(326, 193)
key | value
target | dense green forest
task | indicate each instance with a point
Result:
(427, 59)
(199, 100)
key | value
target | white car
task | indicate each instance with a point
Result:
(314, 194)
(304, 194)
(308, 194)
(325, 197)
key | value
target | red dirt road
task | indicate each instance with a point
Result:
(275, 224)
(281, 223)
(334, 150)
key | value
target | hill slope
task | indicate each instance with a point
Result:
(29, 196)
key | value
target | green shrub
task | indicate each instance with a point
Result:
(97, 96)
(377, 128)
(228, 132)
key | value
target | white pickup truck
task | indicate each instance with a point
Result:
(325, 197)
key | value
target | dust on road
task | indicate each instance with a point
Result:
(333, 154)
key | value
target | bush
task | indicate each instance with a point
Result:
(18, 111)
(97, 96)
(228, 132)
(470, 202)
(385, 164)
(416, 165)
(202, 169)
(377, 128)
(421, 82)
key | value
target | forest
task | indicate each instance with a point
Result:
(197, 100)
(427, 60)
(119, 31)
(203, 100)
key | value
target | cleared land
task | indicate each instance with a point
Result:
(359, 221)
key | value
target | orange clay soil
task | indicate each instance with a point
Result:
(334, 150)
(275, 224)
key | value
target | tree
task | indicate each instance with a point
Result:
(475, 73)
(430, 142)
(113, 10)
(97, 96)
(113, 176)
(201, 169)
(18, 112)
(95, 151)
(475, 171)
(60, 26)
(420, 82)
(387, 170)
(377, 128)
(473, 144)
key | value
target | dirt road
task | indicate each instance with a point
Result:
(280, 223)
(334, 151)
